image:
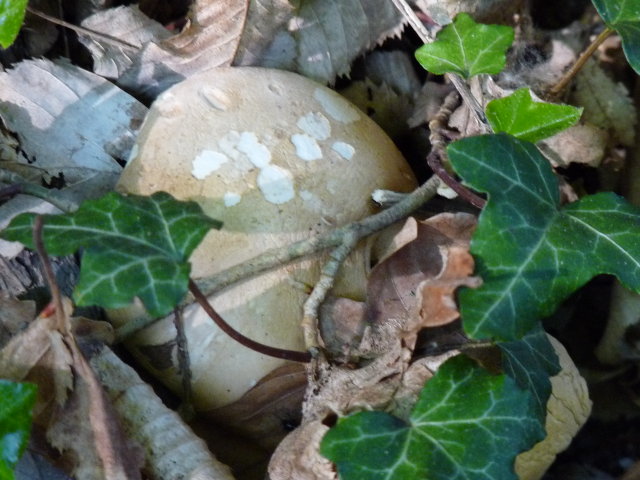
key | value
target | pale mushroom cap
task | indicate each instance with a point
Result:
(277, 158)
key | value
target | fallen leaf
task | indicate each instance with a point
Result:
(607, 104)
(317, 38)
(210, 40)
(127, 23)
(298, 456)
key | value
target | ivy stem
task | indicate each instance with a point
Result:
(303, 357)
(579, 63)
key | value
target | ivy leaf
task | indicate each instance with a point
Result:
(16, 402)
(467, 48)
(624, 17)
(520, 116)
(11, 18)
(467, 424)
(134, 246)
(530, 362)
(530, 252)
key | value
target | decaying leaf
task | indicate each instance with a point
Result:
(607, 104)
(493, 11)
(390, 379)
(586, 144)
(298, 456)
(317, 38)
(209, 40)
(128, 24)
(15, 315)
(267, 411)
(71, 410)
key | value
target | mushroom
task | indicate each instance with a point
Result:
(568, 408)
(277, 158)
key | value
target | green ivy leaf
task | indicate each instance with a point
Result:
(467, 424)
(530, 362)
(11, 18)
(530, 252)
(134, 247)
(624, 17)
(16, 402)
(467, 48)
(525, 119)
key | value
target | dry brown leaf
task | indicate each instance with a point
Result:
(436, 295)
(298, 456)
(317, 38)
(607, 104)
(128, 24)
(15, 315)
(210, 40)
(67, 398)
(266, 412)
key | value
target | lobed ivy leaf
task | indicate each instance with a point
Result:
(624, 17)
(467, 424)
(520, 116)
(531, 361)
(16, 402)
(133, 247)
(11, 18)
(467, 48)
(530, 252)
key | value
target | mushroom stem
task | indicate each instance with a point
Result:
(303, 357)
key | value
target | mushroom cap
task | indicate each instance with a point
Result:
(277, 158)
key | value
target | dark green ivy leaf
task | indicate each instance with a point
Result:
(531, 361)
(16, 403)
(133, 247)
(467, 48)
(624, 17)
(467, 425)
(530, 252)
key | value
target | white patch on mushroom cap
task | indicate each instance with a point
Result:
(343, 149)
(316, 125)
(337, 107)
(311, 201)
(276, 184)
(306, 147)
(207, 162)
(215, 97)
(231, 198)
(257, 152)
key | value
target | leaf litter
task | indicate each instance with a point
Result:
(379, 370)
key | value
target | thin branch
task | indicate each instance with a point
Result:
(84, 31)
(62, 324)
(438, 144)
(434, 162)
(321, 289)
(184, 364)
(579, 63)
(303, 357)
(279, 256)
